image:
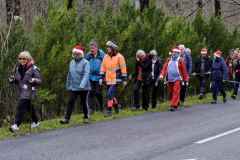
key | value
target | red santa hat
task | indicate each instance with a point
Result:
(176, 50)
(79, 49)
(218, 53)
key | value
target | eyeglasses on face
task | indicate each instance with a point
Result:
(20, 58)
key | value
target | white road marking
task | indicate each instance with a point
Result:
(218, 136)
(190, 159)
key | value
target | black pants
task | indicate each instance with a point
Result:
(96, 92)
(24, 105)
(218, 86)
(154, 94)
(136, 93)
(72, 100)
(203, 82)
(183, 92)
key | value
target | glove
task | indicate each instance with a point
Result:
(161, 77)
(32, 80)
(187, 83)
(11, 79)
(156, 83)
(194, 74)
(124, 83)
(100, 82)
(211, 85)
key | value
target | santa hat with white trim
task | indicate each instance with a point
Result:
(78, 49)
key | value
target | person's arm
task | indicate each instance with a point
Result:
(36, 77)
(183, 70)
(123, 68)
(163, 72)
(85, 75)
(225, 70)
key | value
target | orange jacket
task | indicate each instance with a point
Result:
(114, 69)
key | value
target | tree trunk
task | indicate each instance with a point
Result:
(217, 5)
(3, 13)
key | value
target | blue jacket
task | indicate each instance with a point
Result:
(78, 76)
(219, 70)
(95, 65)
(188, 61)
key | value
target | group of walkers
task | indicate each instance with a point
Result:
(88, 72)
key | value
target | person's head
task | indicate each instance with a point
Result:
(93, 47)
(140, 54)
(78, 52)
(218, 54)
(238, 55)
(24, 58)
(175, 52)
(111, 48)
(204, 52)
(153, 54)
(182, 48)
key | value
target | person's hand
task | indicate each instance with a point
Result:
(100, 82)
(11, 79)
(187, 83)
(124, 83)
(32, 80)
(194, 73)
(161, 77)
(156, 83)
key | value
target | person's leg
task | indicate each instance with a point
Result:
(170, 93)
(33, 113)
(110, 97)
(136, 94)
(84, 103)
(154, 95)
(214, 91)
(91, 97)
(176, 94)
(222, 90)
(99, 97)
(21, 110)
(203, 82)
(145, 96)
(71, 103)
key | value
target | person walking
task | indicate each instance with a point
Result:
(78, 83)
(113, 72)
(27, 77)
(95, 58)
(174, 69)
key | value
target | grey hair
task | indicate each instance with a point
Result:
(153, 52)
(93, 43)
(25, 54)
(140, 52)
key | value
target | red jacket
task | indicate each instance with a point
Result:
(181, 66)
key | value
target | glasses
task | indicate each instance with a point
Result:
(22, 58)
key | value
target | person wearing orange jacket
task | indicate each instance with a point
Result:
(113, 72)
(174, 69)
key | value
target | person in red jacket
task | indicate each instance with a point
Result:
(175, 72)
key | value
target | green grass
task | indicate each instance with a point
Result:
(76, 120)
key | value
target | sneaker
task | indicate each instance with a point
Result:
(64, 121)
(233, 96)
(34, 125)
(214, 102)
(86, 120)
(14, 128)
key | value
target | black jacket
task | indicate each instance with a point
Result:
(207, 65)
(146, 67)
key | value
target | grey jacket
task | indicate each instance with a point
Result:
(27, 86)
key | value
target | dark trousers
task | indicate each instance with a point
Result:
(136, 93)
(217, 86)
(146, 88)
(154, 95)
(183, 92)
(24, 105)
(203, 82)
(236, 85)
(96, 92)
(72, 100)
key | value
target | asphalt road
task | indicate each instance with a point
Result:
(203, 132)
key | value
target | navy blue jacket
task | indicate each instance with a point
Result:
(219, 70)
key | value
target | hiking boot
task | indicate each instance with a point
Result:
(171, 109)
(34, 125)
(233, 96)
(14, 128)
(64, 121)
(116, 109)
